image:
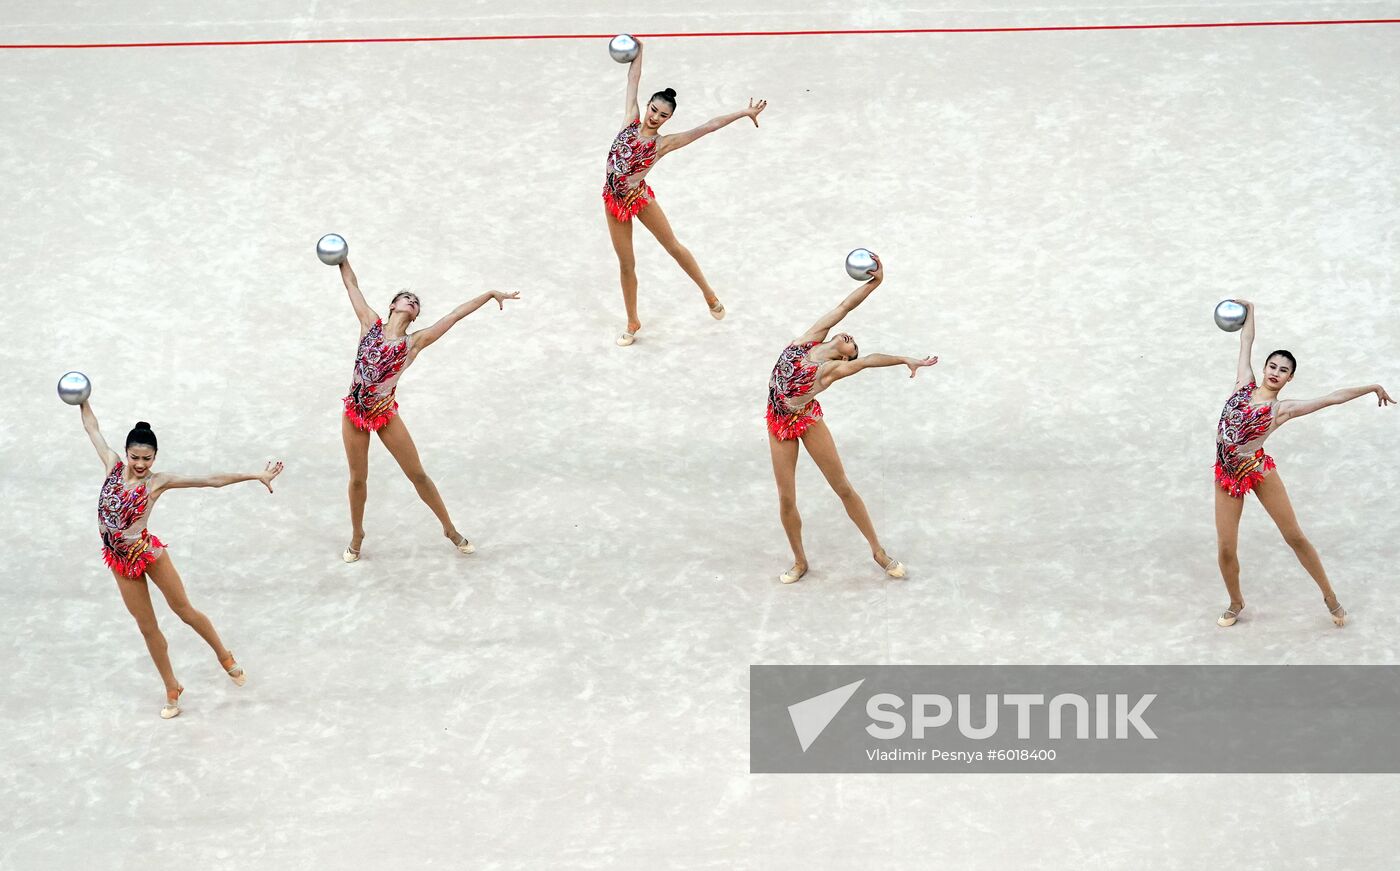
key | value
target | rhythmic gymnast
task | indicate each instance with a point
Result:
(134, 554)
(807, 366)
(385, 351)
(626, 195)
(1251, 414)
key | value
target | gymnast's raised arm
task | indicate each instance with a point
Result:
(833, 372)
(818, 331)
(634, 79)
(366, 314)
(177, 482)
(1244, 369)
(671, 143)
(1290, 408)
(425, 337)
(105, 453)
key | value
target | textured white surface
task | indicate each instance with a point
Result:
(1058, 214)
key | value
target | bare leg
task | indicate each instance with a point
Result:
(784, 455)
(137, 599)
(1227, 534)
(396, 438)
(162, 572)
(655, 220)
(621, 232)
(357, 453)
(1274, 497)
(822, 447)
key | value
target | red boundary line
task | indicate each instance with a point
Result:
(507, 37)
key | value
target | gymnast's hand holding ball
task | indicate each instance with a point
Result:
(332, 249)
(74, 388)
(624, 48)
(1231, 314)
(862, 264)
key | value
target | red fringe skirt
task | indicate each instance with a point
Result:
(792, 424)
(625, 208)
(135, 555)
(371, 418)
(1239, 477)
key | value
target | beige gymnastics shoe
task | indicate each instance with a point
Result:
(234, 670)
(463, 546)
(1339, 614)
(172, 704)
(894, 568)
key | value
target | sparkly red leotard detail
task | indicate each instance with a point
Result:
(119, 511)
(378, 364)
(630, 155)
(794, 376)
(1240, 461)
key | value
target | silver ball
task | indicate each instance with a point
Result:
(74, 388)
(859, 264)
(332, 249)
(1230, 315)
(623, 48)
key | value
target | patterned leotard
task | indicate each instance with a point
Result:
(793, 376)
(120, 511)
(378, 364)
(625, 192)
(1240, 461)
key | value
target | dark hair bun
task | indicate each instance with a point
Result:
(141, 435)
(670, 92)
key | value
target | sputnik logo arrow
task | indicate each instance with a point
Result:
(810, 717)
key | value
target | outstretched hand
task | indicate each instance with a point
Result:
(274, 468)
(916, 365)
(1383, 398)
(754, 108)
(501, 297)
